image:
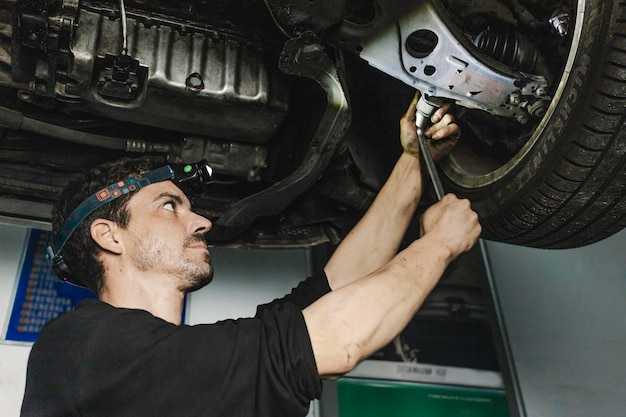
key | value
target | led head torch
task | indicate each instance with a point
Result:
(192, 179)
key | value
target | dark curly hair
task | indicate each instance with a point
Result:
(81, 253)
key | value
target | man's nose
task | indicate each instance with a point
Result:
(199, 224)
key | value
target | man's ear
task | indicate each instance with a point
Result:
(105, 233)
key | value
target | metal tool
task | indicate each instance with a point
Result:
(426, 107)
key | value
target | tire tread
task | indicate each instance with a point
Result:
(572, 190)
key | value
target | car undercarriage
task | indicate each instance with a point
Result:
(295, 104)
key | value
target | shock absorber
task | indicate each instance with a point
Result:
(508, 46)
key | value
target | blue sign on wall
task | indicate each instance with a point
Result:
(40, 296)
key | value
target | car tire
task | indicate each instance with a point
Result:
(565, 188)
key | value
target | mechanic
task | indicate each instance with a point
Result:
(127, 354)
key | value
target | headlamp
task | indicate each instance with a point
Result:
(192, 179)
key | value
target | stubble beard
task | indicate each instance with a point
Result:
(195, 275)
(191, 274)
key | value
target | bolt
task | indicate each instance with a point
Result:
(514, 99)
(194, 82)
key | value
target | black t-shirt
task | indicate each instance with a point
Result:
(99, 360)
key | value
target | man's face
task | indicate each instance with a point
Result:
(166, 237)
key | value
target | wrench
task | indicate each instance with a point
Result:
(426, 107)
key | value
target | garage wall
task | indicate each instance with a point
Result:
(565, 314)
(244, 279)
(13, 357)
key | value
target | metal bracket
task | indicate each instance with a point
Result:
(424, 50)
(305, 57)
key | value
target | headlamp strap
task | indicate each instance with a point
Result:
(101, 198)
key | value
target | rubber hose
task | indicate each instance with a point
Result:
(15, 120)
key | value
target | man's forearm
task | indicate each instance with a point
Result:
(354, 321)
(351, 323)
(377, 236)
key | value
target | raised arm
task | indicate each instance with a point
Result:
(350, 323)
(377, 236)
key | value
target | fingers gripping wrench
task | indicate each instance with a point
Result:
(426, 107)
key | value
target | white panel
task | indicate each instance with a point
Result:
(244, 279)
(12, 357)
(565, 312)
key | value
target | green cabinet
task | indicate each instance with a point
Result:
(378, 398)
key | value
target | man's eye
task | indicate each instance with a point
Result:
(168, 206)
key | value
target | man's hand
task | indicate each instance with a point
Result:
(451, 223)
(444, 132)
